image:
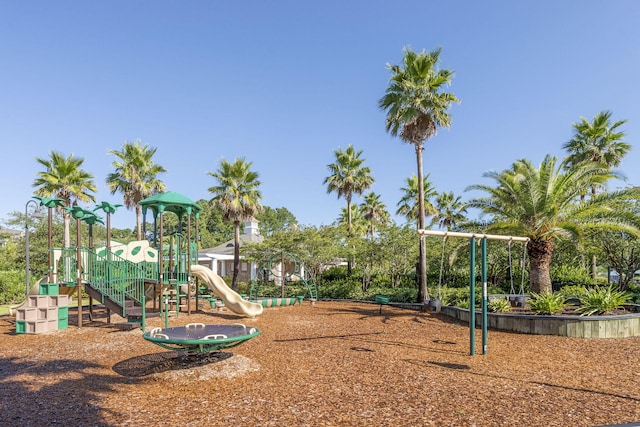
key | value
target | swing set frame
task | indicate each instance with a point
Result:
(472, 277)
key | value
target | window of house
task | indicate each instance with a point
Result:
(243, 266)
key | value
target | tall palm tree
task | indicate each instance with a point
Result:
(598, 141)
(543, 204)
(416, 106)
(374, 211)
(135, 176)
(238, 196)
(409, 205)
(348, 177)
(64, 178)
(450, 210)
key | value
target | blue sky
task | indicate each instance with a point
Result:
(285, 83)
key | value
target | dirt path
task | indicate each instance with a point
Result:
(332, 364)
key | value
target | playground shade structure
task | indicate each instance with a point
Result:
(232, 300)
(201, 338)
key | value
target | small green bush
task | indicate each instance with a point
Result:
(547, 303)
(499, 305)
(334, 273)
(572, 291)
(463, 303)
(566, 274)
(12, 286)
(342, 289)
(602, 299)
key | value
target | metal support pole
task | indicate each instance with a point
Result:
(27, 268)
(472, 296)
(485, 295)
(79, 272)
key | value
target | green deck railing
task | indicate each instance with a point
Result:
(114, 277)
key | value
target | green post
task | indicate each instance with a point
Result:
(485, 295)
(166, 311)
(144, 310)
(472, 297)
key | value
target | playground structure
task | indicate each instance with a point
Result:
(140, 278)
(201, 338)
(232, 300)
(281, 269)
(472, 277)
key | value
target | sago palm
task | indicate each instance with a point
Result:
(544, 205)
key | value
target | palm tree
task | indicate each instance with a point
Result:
(135, 176)
(450, 210)
(409, 206)
(543, 204)
(599, 142)
(64, 178)
(416, 106)
(374, 211)
(348, 177)
(359, 225)
(238, 196)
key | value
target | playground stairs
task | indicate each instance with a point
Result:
(131, 310)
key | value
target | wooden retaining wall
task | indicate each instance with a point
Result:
(619, 326)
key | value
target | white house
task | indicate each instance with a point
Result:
(220, 258)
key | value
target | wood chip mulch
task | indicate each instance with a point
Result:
(332, 364)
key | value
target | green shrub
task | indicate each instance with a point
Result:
(566, 274)
(454, 296)
(343, 289)
(380, 281)
(572, 291)
(463, 303)
(634, 290)
(602, 299)
(334, 273)
(12, 286)
(547, 303)
(499, 305)
(404, 295)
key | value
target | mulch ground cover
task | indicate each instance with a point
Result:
(332, 364)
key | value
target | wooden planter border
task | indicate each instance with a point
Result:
(618, 326)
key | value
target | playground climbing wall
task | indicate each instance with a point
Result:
(45, 312)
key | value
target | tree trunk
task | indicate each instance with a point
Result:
(349, 234)
(236, 254)
(540, 252)
(139, 222)
(423, 294)
(67, 230)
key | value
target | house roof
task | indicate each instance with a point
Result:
(227, 247)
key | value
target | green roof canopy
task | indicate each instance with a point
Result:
(170, 202)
